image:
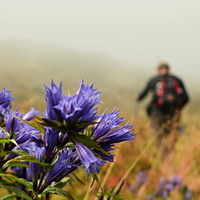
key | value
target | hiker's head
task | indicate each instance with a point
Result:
(163, 68)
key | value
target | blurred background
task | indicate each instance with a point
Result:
(115, 44)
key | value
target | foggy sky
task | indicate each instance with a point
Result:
(139, 31)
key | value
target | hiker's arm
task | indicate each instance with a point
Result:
(145, 91)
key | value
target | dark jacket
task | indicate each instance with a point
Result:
(151, 87)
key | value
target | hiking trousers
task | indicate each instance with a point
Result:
(165, 128)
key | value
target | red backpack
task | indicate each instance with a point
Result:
(169, 93)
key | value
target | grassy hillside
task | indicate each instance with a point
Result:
(26, 65)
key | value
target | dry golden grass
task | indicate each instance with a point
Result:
(145, 154)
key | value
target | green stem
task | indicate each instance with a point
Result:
(40, 183)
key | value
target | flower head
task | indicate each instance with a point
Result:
(32, 173)
(51, 138)
(188, 194)
(53, 97)
(80, 107)
(72, 110)
(29, 115)
(62, 167)
(19, 130)
(176, 181)
(166, 186)
(140, 179)
(5, 101)
(88, 159)
(108, 132)
(35, 169)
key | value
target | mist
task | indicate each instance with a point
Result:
(26, 65)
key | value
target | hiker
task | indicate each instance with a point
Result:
(169, 98)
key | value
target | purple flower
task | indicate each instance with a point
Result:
(53, 97)
(5, 101)
(71, 110)
(141, 178)
(32, 173)
(2, 134)
(35, 169)
(169, 186)
(188, 194)
(108, 132)
(162, 193)
(20, 171)
(166, 186)
(29, 115)
(12, 123)
(162, 182)
(107, 123)
(51, 138)
(19, 130)
(62, 167)
(176, 180)
(80, 107)
(88, 159)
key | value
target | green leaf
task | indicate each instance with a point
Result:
(28, 158)
(61, 126)
(14, 142)
(53, 190)
(22, 181)
(17, 191)
(62, 182)
(113, 196)
(88, 142)
(18, 152)
(69, 145)
(78, 179)
(5, 182)
(50, 123)
(6, 133)
(3, 140)
(85, 124)
(95, 178)
(32, 123)
(88, 131)
(2, 153)
(8, 197)
(14, 164)
(120, 187)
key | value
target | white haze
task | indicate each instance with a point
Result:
(136, 31)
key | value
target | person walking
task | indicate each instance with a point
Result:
(168, 99)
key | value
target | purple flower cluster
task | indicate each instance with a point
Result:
(78, 115)
(17, 130)
(72, 109)
(5, 101)
(140, 179)
(73, 135)
(166, 186)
